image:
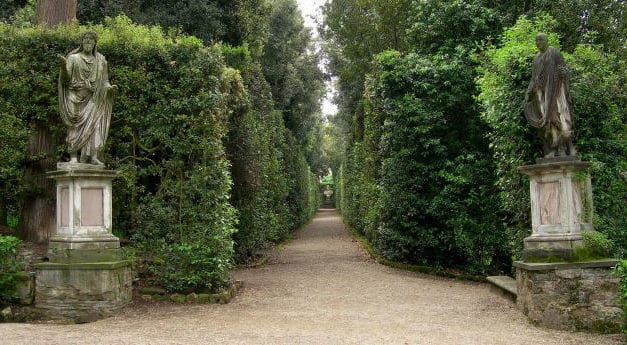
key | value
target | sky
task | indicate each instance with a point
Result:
(311, 10)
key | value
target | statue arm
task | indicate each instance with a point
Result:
(562, 71)
(63, 68)
(111, 90)
(530, 89)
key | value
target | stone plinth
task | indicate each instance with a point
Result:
(83, 291)
(561, 207)
(87, 276)
(84, 200)
(570, 296)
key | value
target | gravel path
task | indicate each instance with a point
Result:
(322, 288)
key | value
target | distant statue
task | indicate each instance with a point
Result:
(85, 100)
(547, 102)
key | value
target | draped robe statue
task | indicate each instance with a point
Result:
(547, 102)
(85, 100)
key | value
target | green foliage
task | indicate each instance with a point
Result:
(597, 87)
(429, 170)
(417, 179)
(187, 226)
(327, 180)
(446, 24)
(235, 21)
(13, 138)
(9, 7)
(605, 25)
(270, 174)
(595, 246)
(621, 272)
(10, 265)
(419, 185)
(351, 46)
(291, 68)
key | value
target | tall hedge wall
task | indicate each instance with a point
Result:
(418, 184)
(273, 184)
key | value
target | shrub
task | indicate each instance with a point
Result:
(596, 245)
(10, 265)
(621, 272)
(419, 183)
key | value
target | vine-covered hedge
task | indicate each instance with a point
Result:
(169, 119)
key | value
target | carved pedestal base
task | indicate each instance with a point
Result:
(561, 207)
(87, 276)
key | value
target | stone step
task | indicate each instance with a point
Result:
(504, 285)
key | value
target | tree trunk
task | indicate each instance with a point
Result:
(52, 12)
(38, 215)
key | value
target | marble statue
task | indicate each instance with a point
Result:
(85, 100)
(548, 105)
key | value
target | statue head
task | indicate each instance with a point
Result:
(88, 41)
(542, 42)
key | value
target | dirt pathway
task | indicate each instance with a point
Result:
(322, 288)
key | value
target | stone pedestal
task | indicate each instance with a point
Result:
(570, 296)
(561, 207)
(86, 275)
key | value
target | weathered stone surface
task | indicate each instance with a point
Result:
(85, 100)
(177, 298)
(548, 104)
(152, 290)
(191, 298)
(63, 255)
(24, 292)
(204, 298)
(84, 206)
(570, 296)
(6, 314)
(78, 291)
(561, 208)
(221, 297)
(504, 285)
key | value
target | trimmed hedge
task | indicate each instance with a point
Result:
(273, 184)
(419, 183)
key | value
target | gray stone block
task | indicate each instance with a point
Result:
(78, 291)
(570, 296)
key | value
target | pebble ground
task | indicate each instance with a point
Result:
(321, 288)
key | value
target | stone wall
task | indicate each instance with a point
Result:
(83, 291)
(570, 296)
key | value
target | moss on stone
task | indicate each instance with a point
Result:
(177, 298)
